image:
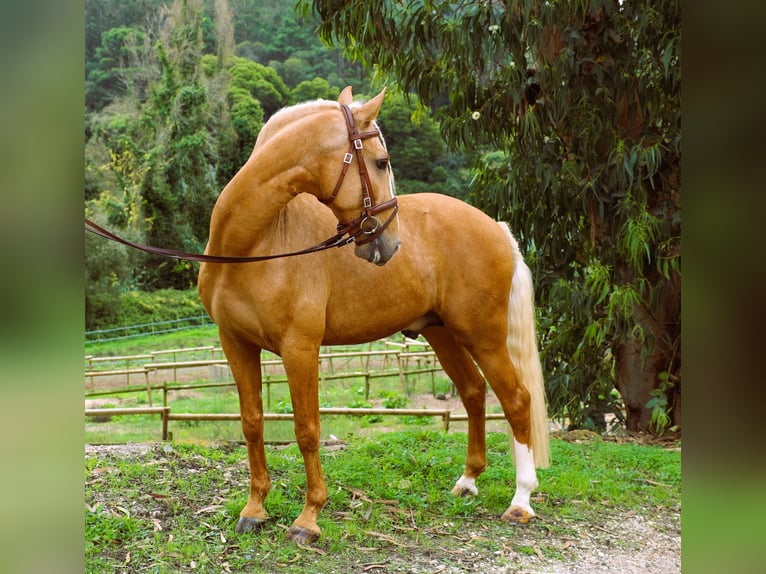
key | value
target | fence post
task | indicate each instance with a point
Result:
(265, 379)
(322, 379)
(402, 375)
(165, 413)
(148, 386)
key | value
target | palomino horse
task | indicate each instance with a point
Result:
(443, 269)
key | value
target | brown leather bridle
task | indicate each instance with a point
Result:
(369, 225)
(363, 229)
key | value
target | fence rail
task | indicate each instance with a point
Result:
(395, 359)
(166, 415)
(156, 328)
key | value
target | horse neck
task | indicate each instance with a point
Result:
(252, 201)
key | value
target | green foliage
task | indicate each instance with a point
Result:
(173, 112)
(660, 419)
(573, 110)
(262, 82)
(283, 406)
(112, 66)
(392, 400)
(418, 155)
(315, 89)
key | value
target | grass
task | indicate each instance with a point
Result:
(193, 337)
(174, 508)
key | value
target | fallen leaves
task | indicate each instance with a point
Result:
(387, 538)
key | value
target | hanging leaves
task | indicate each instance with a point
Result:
(574, 109)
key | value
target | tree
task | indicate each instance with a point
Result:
(315, 89)
(575, 108)
(113, 70)
(262, 82)
(418, 154)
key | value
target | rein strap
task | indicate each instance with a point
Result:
(336, 240)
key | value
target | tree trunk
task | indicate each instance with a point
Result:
(638, 371)
(636, 379)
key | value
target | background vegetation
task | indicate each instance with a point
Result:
(561, 118)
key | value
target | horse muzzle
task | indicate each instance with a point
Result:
(378, 251)
(374, 240)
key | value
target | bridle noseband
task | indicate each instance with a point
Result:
(366, 224)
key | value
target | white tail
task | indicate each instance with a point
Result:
(522, 346)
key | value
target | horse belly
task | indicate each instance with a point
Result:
(344, 328)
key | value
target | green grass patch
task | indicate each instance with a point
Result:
(174, 508)
(192, 337)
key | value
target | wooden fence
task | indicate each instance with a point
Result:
(392, 359)
(159, 370)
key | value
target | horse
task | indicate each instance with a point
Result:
(423, 264)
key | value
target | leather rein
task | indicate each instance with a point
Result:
(363, 229)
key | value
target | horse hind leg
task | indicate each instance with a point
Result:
(245, 363)
(515, 400)
(459, 367)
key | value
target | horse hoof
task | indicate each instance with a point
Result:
(517, 515)
(248, 524)
(465, 487)
(301, 536)
(462, 492)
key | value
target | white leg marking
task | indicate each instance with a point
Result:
(526, 478)
(465, 483)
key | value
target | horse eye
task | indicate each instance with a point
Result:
(381, 163)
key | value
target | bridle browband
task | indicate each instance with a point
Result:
(366, 226)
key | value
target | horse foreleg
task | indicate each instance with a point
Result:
(515, 400)
(301, 366)
(245, 363)
(459, 367)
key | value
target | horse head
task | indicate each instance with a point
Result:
(360, 189)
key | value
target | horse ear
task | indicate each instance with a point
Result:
(369, 110)
(345, 96)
